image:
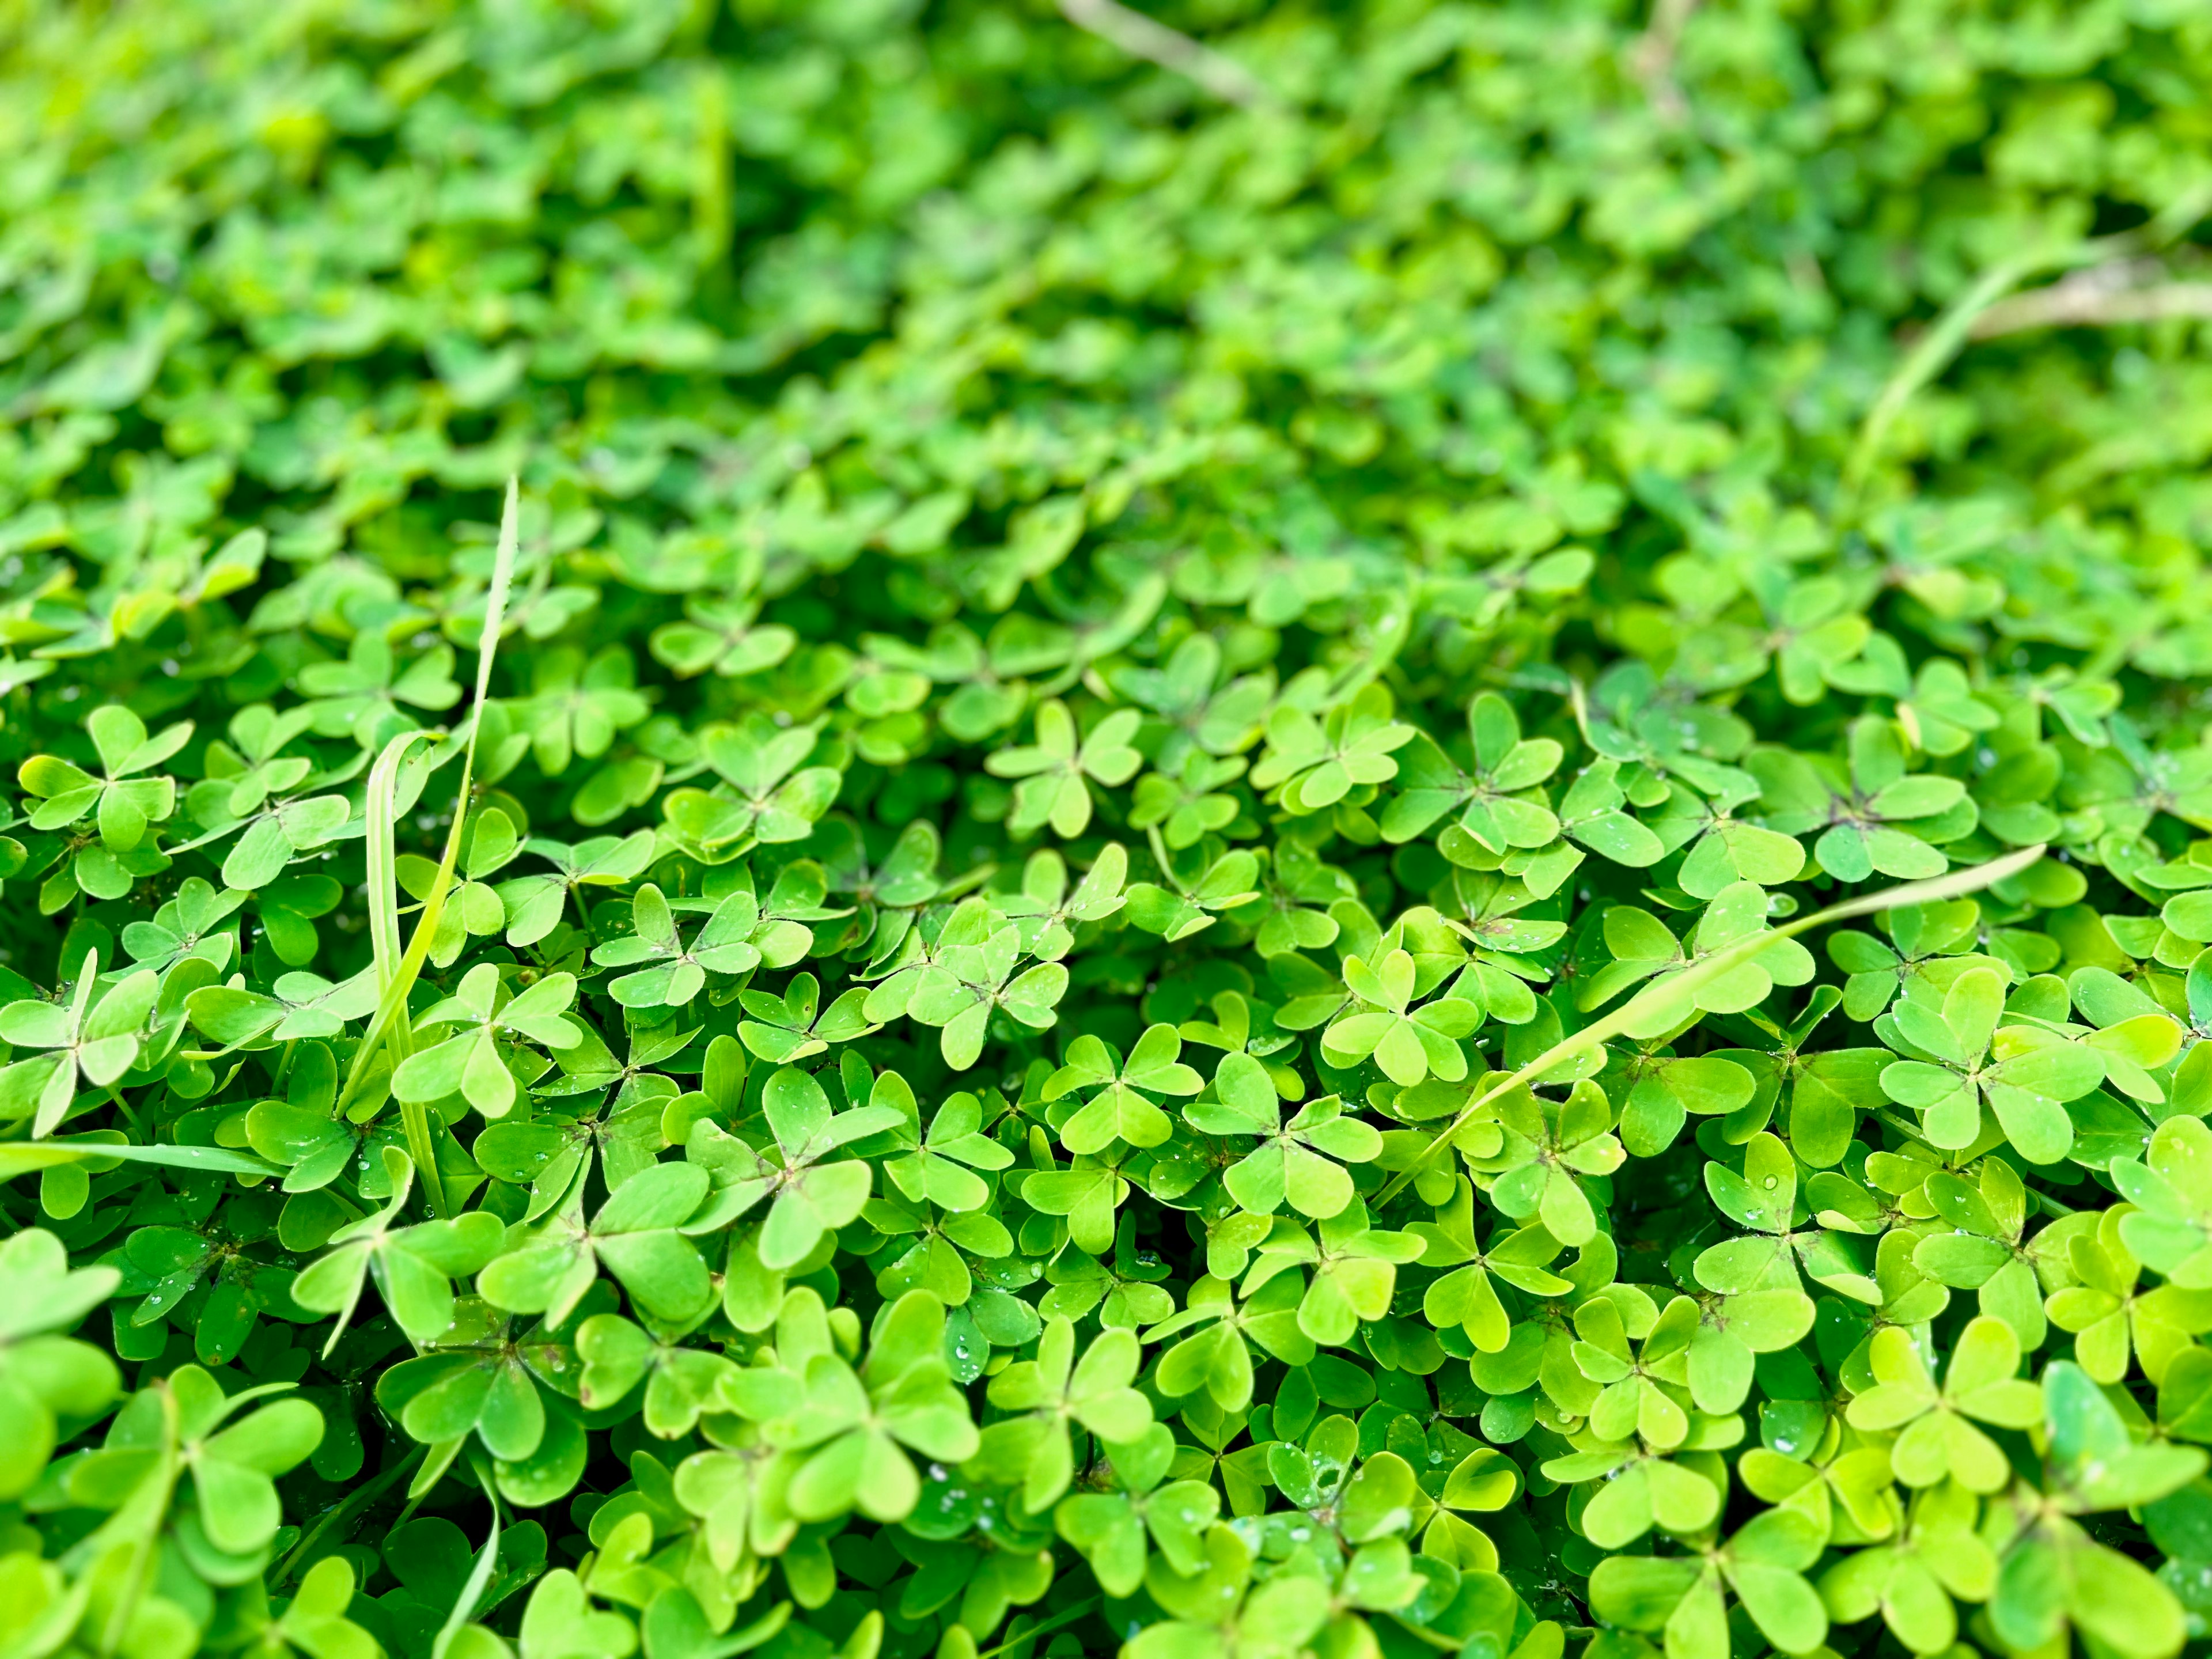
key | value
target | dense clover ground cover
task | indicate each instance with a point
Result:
(1397, 846)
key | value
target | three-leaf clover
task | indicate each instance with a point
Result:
(123, 804)
(1056, 772)
(1054, 1393)
(1301, 1161)
(94, 1042)
(1953, 1071)
(1121, 1110)
(1938, 1434)
(1858, 809)
(470, 1064)
(811, 1194)
(1408, 1043)
(678, 970)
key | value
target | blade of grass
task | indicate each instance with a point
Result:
(24, 1157)
(388, 1027)
(383, 856)
(479, 1577)
(344, 1510)
(1664, 1004)
(1064, 1617)
(384, 941)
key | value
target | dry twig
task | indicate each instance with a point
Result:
(1652, 58)
(2123, 291)
(1171, 48)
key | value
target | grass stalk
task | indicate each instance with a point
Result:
(396, 970)
(1666, 1003)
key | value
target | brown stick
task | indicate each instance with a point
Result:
(1652, 58)
(2123, 291)
(1172, 50)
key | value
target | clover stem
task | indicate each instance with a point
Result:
(1160, 857)
(351, 1503)
(1066, 1616)
(1910, 1131)
(149, 1520)
(115, 1099)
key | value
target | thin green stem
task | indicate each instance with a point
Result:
(161, 1490)
(1060, 1620)
(1160, 858)
(479, 1579)
(1910, 1130)
(1666, 1003)
(355, 1501)
(115, 1099)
